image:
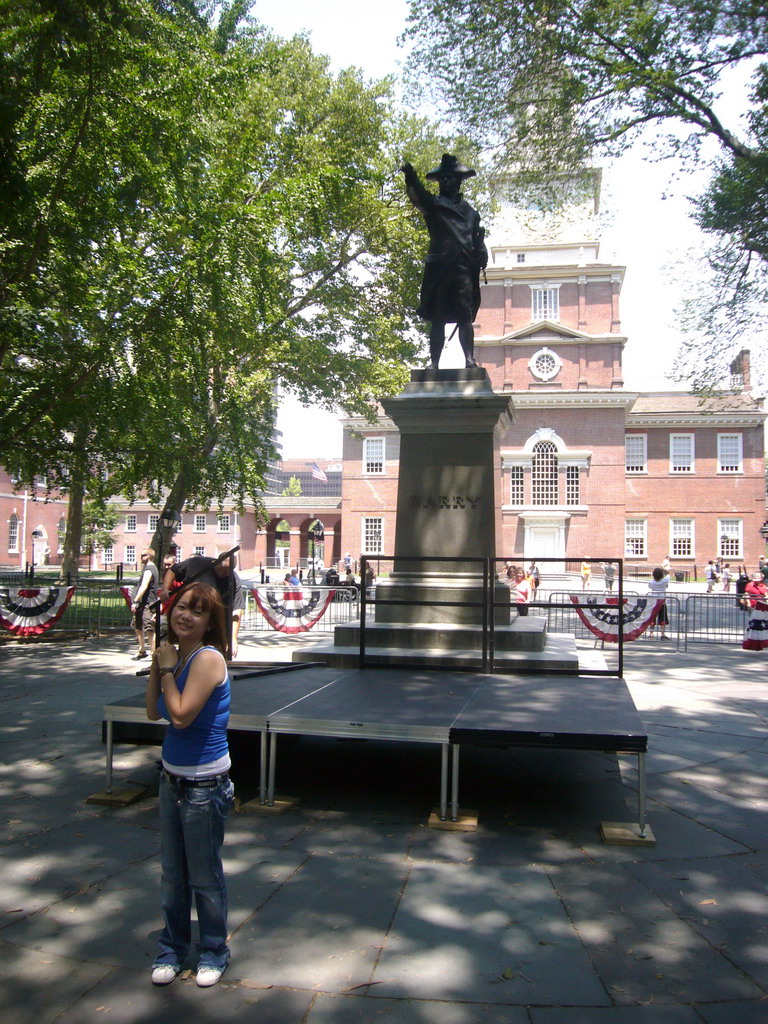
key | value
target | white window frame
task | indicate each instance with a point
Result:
(130, 550)
(730, 463)
(153, 521)
(108, 555)
(199, 549)
(677, 532)
(61, 533)
(516, 485)
(572, 485)
(374, 464)
(734, 531)
(641, 535)
(366, 532)
(13, 534)
(677, 467)
(131, 523)
(223, 523)
(545, 474)
(545, 364)
(633, 464)
(545, 302)
(197, 520)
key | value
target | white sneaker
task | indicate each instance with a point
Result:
(207, 976)
(164, 974)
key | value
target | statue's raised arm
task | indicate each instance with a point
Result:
(450, 291)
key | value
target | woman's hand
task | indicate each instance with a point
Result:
(166, 657)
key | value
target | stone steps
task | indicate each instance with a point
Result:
(522, 634)
(558, 654)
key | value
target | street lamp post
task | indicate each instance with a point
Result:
(316, 533)
(170, 520)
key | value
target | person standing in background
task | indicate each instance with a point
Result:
(586, 575)
(219, 574)
(144, 598)
(657, 588)
(522, 592)
(756, 634)
(609, 571)
(726, 578)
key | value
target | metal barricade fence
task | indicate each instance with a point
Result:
(96, 607)
(99, 607)
(714, 619)
(562, 616)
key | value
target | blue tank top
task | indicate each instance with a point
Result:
(204, 740)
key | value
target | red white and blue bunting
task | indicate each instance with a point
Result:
(289, 610)
(604, 622)
(30, 611)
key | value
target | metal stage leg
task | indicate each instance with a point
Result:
(455, 784)
(272, 746)
(444, 783)
(641, 810)
(263, 742)
(110, 748)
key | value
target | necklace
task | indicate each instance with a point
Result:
(180, 669)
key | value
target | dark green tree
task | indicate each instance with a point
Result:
(200, 213)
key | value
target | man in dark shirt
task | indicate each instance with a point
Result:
(450, 291)
(144, 597)
(221, 576)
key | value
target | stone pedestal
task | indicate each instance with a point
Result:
(448, 421)
(446, 507)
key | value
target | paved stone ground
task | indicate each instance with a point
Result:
(349, 910)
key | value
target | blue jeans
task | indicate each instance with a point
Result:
(191, 836)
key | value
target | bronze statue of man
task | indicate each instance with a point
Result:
(450, 291)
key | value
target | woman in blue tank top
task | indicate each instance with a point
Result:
(189, 686)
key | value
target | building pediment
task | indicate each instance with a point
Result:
(546, 330)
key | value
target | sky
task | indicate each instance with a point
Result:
(648, 227)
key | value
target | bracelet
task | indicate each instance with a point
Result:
(166, 669)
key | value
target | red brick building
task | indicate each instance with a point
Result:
(33, 524)
(587, 469)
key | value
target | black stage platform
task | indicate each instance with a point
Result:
(446, 708)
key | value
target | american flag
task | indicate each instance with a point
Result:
(318, 474)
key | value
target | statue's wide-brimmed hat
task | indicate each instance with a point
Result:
(450, 165)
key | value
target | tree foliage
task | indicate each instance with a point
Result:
(199, 213)
(293, 488)
(552, 81)
(99, 520)
(551, 85)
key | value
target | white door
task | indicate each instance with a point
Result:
(40, 549)
(545, 542)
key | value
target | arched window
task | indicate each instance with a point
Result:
(544, 474)
(13, 532)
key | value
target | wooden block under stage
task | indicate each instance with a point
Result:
(619, 833)
(121, 797)
(280, 806)
(466, 821)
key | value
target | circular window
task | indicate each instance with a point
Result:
(545, 364)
